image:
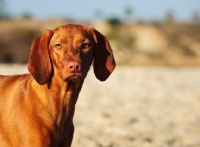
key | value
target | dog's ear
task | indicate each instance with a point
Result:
(39, 64)
(104, 62)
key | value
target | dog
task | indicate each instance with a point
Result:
(36, 109)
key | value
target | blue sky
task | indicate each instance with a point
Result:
(88, 9)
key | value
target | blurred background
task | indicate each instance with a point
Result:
(152, 98)
(140, 32)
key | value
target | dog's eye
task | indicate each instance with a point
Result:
(58, 46)
(85, 45)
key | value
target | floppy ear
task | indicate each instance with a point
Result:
(104, 62)
(39, 64)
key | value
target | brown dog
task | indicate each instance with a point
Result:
(36, 110)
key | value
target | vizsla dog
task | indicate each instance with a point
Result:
(36, 109)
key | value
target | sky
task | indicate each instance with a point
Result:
(92, 9)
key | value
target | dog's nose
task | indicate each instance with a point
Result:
(74, 66)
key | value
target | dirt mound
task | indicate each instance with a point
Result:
(133, 44)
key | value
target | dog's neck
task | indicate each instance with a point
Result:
(62, 99)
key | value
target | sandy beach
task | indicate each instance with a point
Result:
(137, 107)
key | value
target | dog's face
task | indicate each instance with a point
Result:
(71, 50)
(68, 51)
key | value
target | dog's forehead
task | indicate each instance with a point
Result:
(72, 29)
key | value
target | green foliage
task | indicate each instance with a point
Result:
(114, 22)
(26, 15)
(3, 12)
(121, 37)
(124, 41)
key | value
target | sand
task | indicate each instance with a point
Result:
(137, 107)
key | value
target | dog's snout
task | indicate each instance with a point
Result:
(74, 66)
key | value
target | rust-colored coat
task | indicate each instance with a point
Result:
(36, 109)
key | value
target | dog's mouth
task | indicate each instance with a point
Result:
(74, 78)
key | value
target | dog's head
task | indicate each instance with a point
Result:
(68, 52)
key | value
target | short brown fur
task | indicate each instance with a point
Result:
(36, 109)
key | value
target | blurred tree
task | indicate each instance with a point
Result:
(196, 17)
(26, 15)
(3, 12)
(124, 41)
(114, 22)
(169, 17)
(128, 14)
(98, 14)
(128, 11)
